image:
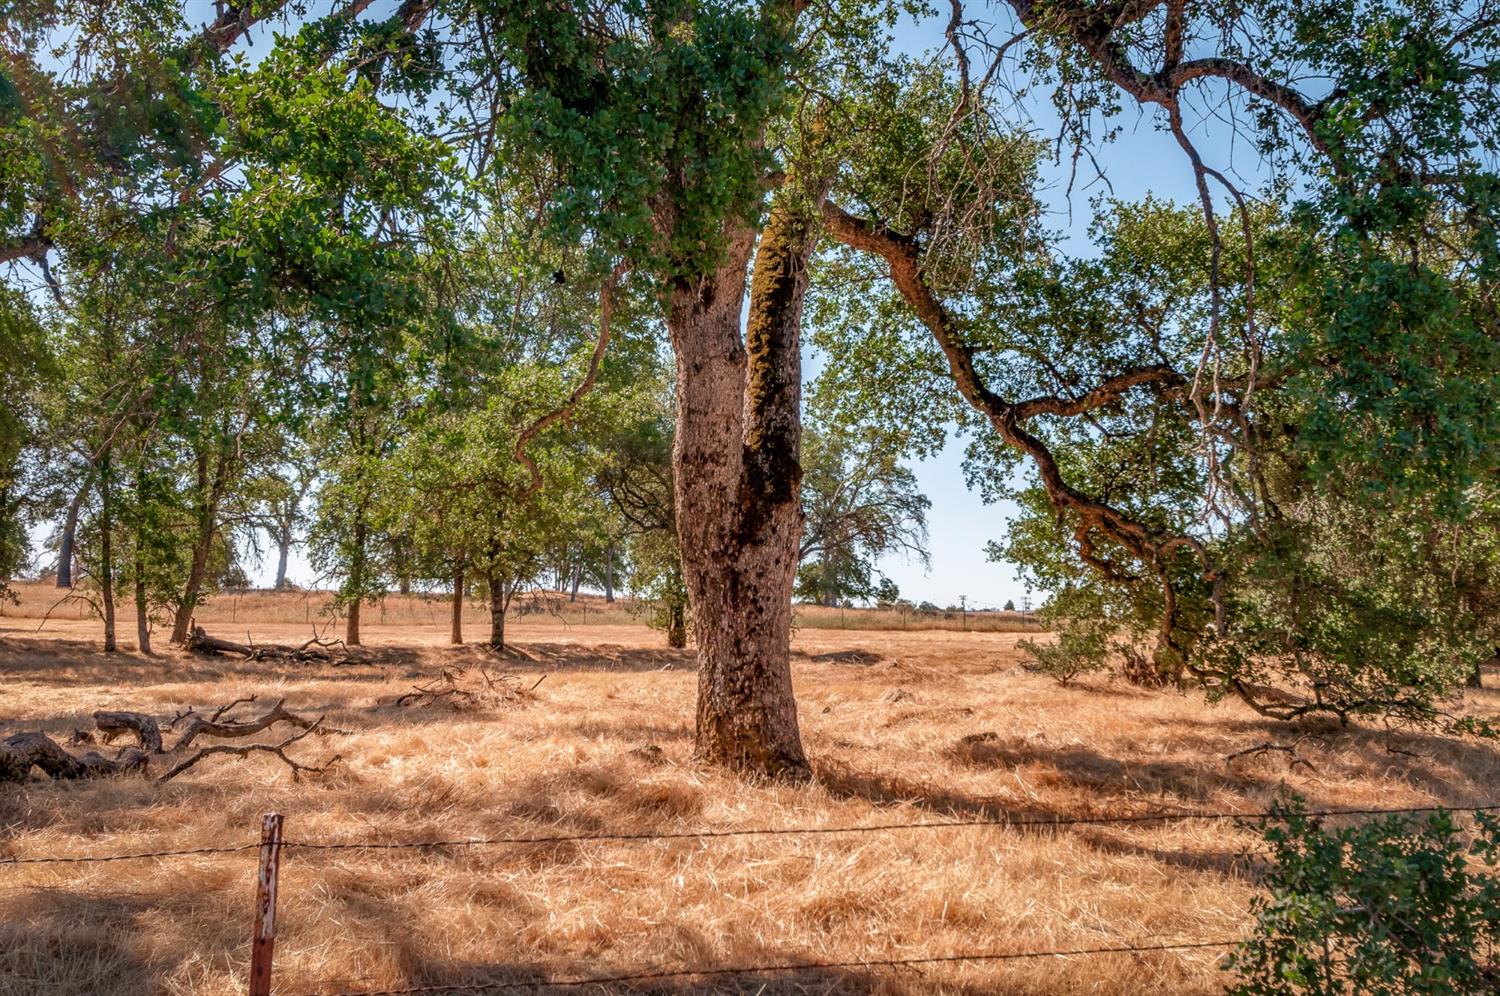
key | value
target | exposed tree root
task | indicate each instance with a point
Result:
(23, 751)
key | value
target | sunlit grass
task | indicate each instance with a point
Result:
(902, 727)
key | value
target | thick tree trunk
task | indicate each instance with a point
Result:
(203, 543)
(739, 515)
(106, 556)
(497, 613)
(142, 613)
(457, 636)
(609, 573)
(577, 581)
(677, 628)
(69, 538)
(283, 552)
(356, 582)
(188, 604)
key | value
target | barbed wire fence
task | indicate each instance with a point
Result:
(272, 843)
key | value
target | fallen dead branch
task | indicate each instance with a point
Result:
(215, 725)
(1269, 747)
(22, 751)
(469, 689)
(276, 750)
(317, 650)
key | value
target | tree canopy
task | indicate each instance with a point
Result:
(508, 284)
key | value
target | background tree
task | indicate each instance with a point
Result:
(859, 504)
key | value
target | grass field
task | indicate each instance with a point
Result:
(232, 609)
(901, 726)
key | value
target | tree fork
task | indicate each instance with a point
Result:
(738, 494)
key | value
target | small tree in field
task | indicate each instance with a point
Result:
(859, 504)
(466, 501)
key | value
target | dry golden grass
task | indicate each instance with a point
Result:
(902, 727)
(234, 610)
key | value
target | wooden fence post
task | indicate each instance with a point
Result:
(264, 938)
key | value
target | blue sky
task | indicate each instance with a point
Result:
(1141, 161)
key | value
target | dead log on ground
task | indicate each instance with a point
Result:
(21, 751)
(316, 650)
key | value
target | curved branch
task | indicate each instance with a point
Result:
(903, 257)
(1094, 29)
(606, 313)
(1107, 392)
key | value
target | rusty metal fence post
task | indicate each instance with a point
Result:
(264, 939)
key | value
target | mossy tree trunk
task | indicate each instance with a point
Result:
(738, 485)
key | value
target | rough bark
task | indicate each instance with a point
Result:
(106, 556)
(69, 538)
(738, 494)
(283, 552)
(456, 637)
(498, 600)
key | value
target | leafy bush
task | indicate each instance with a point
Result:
(1395, 906)
(1084, 637)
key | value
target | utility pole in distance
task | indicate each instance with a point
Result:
(963, 612)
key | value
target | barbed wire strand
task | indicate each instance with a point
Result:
(764, 831)
(1048, 821)
(1000, 822)
(135, 855)
(808, 966)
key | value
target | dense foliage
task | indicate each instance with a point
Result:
(1392, 906)
(403, 281)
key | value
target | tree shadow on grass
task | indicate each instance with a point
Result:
(591, 657)
(54, 942)
(1453, 771)
(842, 781)
(632, 973)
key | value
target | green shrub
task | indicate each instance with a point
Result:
(1387, 907)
